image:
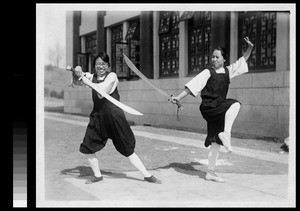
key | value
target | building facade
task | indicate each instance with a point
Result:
(170, 47)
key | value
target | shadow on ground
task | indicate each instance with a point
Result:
(85, 172)
(186, 168)
(191, 168)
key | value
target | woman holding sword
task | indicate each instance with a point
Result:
(212, 84)
(107, 121)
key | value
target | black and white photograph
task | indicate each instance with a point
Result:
(165, 105)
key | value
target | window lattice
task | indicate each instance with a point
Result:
(117, 36)
(133, 30)
(169, 44)
(133, 39)
(199, 42)
(164, 22)
(260, 27)
(90, 43)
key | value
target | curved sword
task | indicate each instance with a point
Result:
(142, 76)
(107, 96)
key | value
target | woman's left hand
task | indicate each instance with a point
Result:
(248, 41)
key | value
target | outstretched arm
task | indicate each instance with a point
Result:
(194, 86)
(77, 73)
(249, 49)
(240, 66)
(184, 93)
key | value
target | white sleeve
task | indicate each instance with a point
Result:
(238, 68)
(110, 83)
(198, 82)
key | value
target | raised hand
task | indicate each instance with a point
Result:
(248, 41)
(249, 49)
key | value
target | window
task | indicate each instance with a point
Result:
(133, 40)
(133, 32)
(117, 37)
(164, 22)
(186, 15)
(91, 43)
(169, 43)
(122, 69)
(260, 27)
(199, 41)
(91, 48)
(82, 61)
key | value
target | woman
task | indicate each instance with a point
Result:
(107, 121)
(218, 111)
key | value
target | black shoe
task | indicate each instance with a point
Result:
(152, 179)
(94, 179)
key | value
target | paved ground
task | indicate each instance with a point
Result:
(254, 178)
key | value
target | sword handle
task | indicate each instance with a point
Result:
(69, 68)
(179, 107)
(177, 103)
(75, 78)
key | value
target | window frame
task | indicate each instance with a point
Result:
(115, 38)
(200, 21)
(259, 38)
(133, 39)
(171, 32)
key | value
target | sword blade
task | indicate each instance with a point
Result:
(142, 76)
(107, 96)
(111, 99)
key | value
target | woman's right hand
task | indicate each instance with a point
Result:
(250, 44)
(173, 99)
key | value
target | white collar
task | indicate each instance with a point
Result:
(220, 70)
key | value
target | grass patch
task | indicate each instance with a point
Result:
(56, 80)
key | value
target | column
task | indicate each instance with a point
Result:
(183, 49)
(76, 37)
(108, 42)
(233, 56)
(155, 45)
(220, 30)
(101, 35)
(283, 41)
(146, 41)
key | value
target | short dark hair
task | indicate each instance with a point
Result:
(102, 55)
(223, 52)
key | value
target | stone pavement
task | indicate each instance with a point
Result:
(253, 178)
